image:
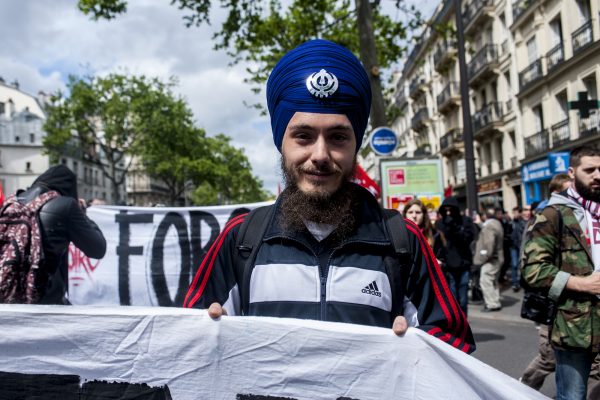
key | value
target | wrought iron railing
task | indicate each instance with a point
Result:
(473, 8)
(490, 113)
(555, 56)
(443, 50)
(488, 54)
(452, 89)
(415, 83)
(453, 137)
(531, 73)
(520, 7)
(419, 117)
(591, 125)
(537, 143)
(560, 133)
(582, 36)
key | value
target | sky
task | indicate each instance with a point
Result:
(44, 41)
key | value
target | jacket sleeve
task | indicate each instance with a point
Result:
(215, 280)
(438, 311)
(84, 233)
(540, 243)
(484, 248)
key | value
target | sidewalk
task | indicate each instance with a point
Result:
(511, 307)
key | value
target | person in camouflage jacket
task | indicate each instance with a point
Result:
(559, 256)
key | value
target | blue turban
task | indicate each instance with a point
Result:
(318, 76)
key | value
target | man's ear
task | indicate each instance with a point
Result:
(571, 173)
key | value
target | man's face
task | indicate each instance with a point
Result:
(318, 152)
(587, 178)
(526, 214)
(516, 214)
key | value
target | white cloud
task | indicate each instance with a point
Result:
(50, 39)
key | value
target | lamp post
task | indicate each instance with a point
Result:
(472, 203)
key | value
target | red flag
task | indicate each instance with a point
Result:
(364, 180)
(448, 191)
(1, 194)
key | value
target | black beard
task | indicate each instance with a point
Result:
(322, 208)
(587, 192)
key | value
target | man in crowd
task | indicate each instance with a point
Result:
(489, 254)
(325, 248)
(518, 227)
(453, 248)
(563, 256)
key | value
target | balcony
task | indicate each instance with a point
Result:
(582, 37)
(452, 142)
(483, 63)
(555, 56)
(420, 119)
(476, 11)
(444, 55)
(487, 119)
(400, 95)
(532, 73)
(520, 7)
(417, 85)
(537, 143)
(449, 97)
(560, 133)
(590, 126)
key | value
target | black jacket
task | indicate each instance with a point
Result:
(456, 233)
(62, 221)
(295, 276)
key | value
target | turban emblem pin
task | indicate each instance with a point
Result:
(322, 84)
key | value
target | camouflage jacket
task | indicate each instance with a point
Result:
(577, 322)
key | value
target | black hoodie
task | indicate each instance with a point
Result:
(457, 232)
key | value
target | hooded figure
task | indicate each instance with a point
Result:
(62, 221)
(453, 248)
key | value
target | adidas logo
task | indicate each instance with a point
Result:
(372, 289)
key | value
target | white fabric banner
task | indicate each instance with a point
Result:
(152, 253)
(173, 353)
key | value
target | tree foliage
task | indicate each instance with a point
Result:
(260, 32)
(118, 121)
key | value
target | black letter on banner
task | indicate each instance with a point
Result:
(159, 281)
(198, 252)
(124, 250)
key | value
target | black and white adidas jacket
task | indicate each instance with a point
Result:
(296, 276)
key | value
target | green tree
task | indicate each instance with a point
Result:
(260, 32)
(232, 181)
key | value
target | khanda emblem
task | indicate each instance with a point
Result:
(322, 84)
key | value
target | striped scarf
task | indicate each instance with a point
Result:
(590, 206)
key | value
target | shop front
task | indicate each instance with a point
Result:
(536, 175)
(490, 194)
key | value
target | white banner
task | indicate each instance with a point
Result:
(152, 254)
(173, 353)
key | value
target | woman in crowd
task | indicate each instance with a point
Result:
(416, 211)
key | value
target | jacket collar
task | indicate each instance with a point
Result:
(369, 218)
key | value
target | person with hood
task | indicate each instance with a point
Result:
(62, 221)
(452, 248)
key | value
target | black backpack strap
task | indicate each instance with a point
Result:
(397, 266)
(247, 244)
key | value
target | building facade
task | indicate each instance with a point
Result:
(525, 62)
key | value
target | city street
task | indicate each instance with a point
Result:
(505, 340)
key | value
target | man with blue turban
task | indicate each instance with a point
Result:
(324, 250)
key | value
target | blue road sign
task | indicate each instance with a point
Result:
(383, 141)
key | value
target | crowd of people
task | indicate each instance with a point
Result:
(326, 250)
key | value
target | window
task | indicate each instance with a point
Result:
(17, 139)
(32, 138)
(531, 50)
(555, 32)
(538, 118)
(63, 161)
(75, 167)
(589, 82)
(28, 166)
(2, 108)
(583, 6)
(562, 108)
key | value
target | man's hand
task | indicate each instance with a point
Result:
(215, 311)
(587, 284)
(400, 325)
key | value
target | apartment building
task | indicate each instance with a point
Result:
(557, 51)
(21, 135)
(525, 61)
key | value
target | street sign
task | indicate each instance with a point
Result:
(383, 141)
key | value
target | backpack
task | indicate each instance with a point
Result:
(255, 225)
(21, 251)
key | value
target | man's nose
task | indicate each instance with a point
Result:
(320, 153)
